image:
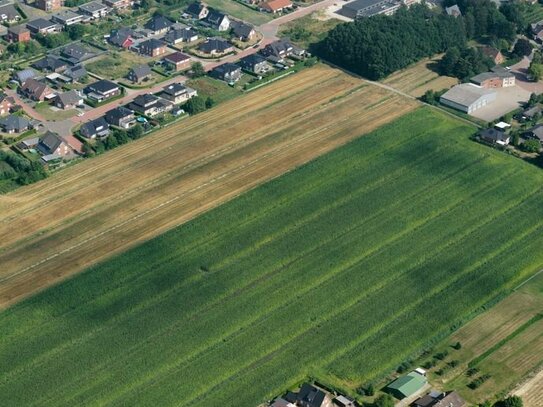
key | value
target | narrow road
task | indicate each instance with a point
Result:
(29, 110)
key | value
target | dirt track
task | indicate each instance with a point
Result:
(81, 215)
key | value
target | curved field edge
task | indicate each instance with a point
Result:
(340, 269)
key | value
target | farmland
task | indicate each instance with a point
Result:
(419, 77)
(340, 270)
(532, 391)
(505, 342)
(105, 204)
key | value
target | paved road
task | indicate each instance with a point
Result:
(520, 70)
(29, 110)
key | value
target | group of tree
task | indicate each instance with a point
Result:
(198, 104)
(20, 169)
(464, 63)
(53, 41)
(379, 45)
(511, 401)
(115, 138)
(535, 70)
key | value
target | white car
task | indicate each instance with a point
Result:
(80, 113)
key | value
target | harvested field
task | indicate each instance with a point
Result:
(104, 205)
(505, 342)
(340, 270)
(418, 78)
(532, 391)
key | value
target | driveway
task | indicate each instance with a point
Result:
(507, 99)
(520, 71)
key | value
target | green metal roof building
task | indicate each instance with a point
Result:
(407, 385)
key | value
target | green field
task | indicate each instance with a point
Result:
(532, 12)
(339, 270)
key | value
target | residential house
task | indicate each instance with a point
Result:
(67, 18)
(102, 90)
(76, 73)
(227, 72)
(494, 136)
(440, 399)
(119, 5)
(178, 93)
(537, 31)
(453, 10)
(150, 105)
(407, 385)
(451, 399)
(310, 396)
(120, 117)
(243, 31)
(43, 26)
(122, 37)
(76, 53)
(53, 147)
(468, 97)
(68, 100)
(181, 35)
(198, 11)
(35, 90)
(14, 124)
(6, 104)
(49, 5)
(281, 402)
(97, 128)
(217, 20)
(278, 50)
(498, 77)
(18, 33)
(139, 73)
(530, 113)
(536, 133)
(23, 75)
(95, 10)
(343, 401)
(177, 61)
(216, 46)
(277, 6)
(50, 63)
(158, 25)
(9, 14)
(254, 63)
(152, 48)
(493, 53)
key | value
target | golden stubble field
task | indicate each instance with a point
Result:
(83, 214)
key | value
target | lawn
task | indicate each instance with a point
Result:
(220, 91)
(308, 30)
(52, 113)
(339, 270)
(240, 11)
(532, 12)
(116, 64)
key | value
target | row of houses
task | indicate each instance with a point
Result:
(92, 9)
(368, 8)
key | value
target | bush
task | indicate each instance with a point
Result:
(457, 346)
(513, 401)
(441, 355)
(531, 146)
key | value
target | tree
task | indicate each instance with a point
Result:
(209, 102)
(370, 391)
(457, 346)
(195, 105)
(197, 70)
(522, 48)
(513, 401)
(535, 71)
(385, 400)
(531, 146)
(76, 31)
(135, 132)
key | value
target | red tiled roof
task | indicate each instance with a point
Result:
(274, 5)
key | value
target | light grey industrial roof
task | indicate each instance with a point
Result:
(466, 94)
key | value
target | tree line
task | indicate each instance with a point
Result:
(376, 46)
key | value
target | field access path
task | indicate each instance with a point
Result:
(107, 204)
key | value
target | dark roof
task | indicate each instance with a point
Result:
(158, 23)
(215, 17)
(141, 71)
(184, 34)
(241, 29)
(49, 142)
(214, 44)
(118, 113)
(152, 43)
(277, 48)
(537, 131)
(195, 8)
(18, 29)
(9, 11)
(145, 99)
(50, 63)
(118, 37)
(226, 68)
(91, 128)
(452, 399)
(14, 123)
(92, 7)
(76, 52)
(25, 74)
(426, 401)
(34, 87)
(532, 111)
(175, 89)
(311, 396)
(41, 23)
(75, 72)
(369, 7)
(71, 97)
(251, 60)
(176, 57)
(101, 86)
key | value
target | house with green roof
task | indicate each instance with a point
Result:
(406, 386)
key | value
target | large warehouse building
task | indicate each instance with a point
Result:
(468, 97)
(368, 8)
